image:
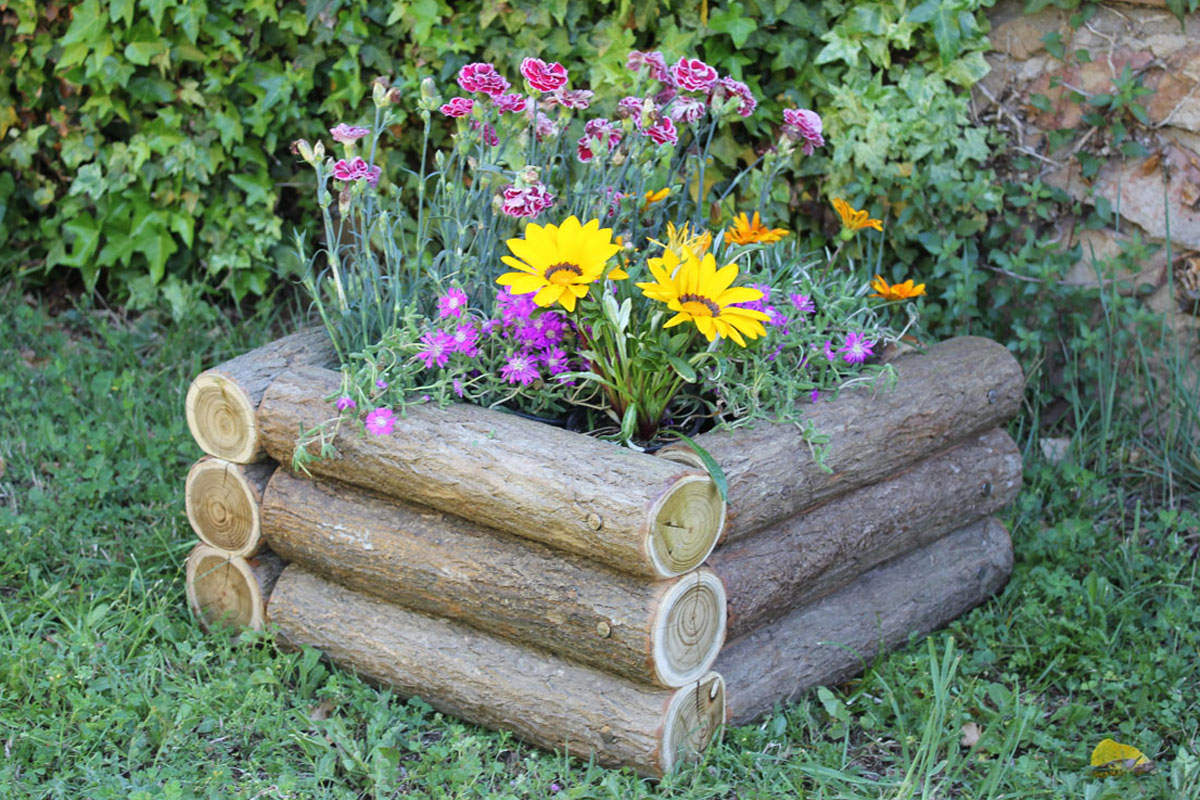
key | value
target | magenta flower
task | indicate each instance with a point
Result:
(542, 76)
(521, 368)
(512, 103)
(527, 202)
(742, 92)
(381, 421)
(828, 350)
(348, 134)
(686, 109)
(458, 107)
(543, 127)
(482, 77)
(856, 349)
(514, 307)
(438, 347)
(452, 303)
(574, 99)
(802, 124)
(765, 288)
(344, 402)
(555, 360)
(489, 133)
(663, 131)
(356, 170)
(458, 387)
(815, 396)
(597, 130)
(655, 61)
(632, 107)
(693, 75)
(802, 303)
(465, 340)
(381, 384)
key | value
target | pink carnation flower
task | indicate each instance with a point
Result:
(458, 107)
(686, 109)
(574, 99)
(347, 134)
(356, 170)
(542, 76)
(489, 133)
(543, 127)
(800, 123)
(692, 74)
(527, 202)
(452, 303)
(482, 77)
(655, 61)
(631, 108)
(742, 92)
(663, 131)
(381, 421)
(512, 103)
(601, 130)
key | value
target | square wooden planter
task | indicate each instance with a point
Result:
(586, 596)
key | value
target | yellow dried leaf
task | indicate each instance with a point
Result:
(1114, 758)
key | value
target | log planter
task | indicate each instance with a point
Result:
(589, 597)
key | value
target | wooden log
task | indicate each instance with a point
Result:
(631, 511)
(230, 590)
(222, 501)
(221, 401)
(831, 640)
(665, 632)
(792, 563)
(956, 389)
(543, 699)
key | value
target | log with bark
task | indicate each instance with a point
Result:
(222, 501)
(831, 640)
(221, 402)
(633, 512)
(956, 389)
(792, 563)
(230, 590)
(661, 632)
(458, 670)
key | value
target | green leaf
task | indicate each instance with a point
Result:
(710, 464)
(140, 53)
(190, 17)
(87, 24)
(121, 9)
(682, 368)
(944, 20)
(734, 21)
(85, 235)
(629, 422)
(157, 8)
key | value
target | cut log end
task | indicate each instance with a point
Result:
(685, 525)
(689, 629)
(220, 416)
(222, 504)
(226, 590)
(694, 716)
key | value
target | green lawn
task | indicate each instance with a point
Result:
(109, 689)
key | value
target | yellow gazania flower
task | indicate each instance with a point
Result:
(747, 231)
(854, 221)
(702, 294)
(896, 291)
(679, 239)
(558, 262)
(617, 273)
(654, 197)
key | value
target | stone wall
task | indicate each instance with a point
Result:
(1144, 191)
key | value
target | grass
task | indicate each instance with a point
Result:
(109, 690)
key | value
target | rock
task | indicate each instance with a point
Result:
(1139, 196)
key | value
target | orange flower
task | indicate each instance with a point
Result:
(896, 291)
(654, 197)
(854, 221)
(746, 231)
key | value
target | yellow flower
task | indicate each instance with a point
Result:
(679, 239)
(617, 273)
(558, 262)
(854, 221)
(896, 291)
(747, 231)
(702, 294)
(654, 197)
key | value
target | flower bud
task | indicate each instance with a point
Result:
(304, 150)
(529, 175)
(379, 92)
(344, 199)
(395, 96)
(319, 150)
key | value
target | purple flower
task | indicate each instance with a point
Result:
(482, 77)
(856, 349)
(489, 326)
(514, 307)
(381, 421)
(521, 368)
(829, 354)
(452, 303)
(765, 288)
(555, 788)
(555, 360)
(458, 107)
(465, 340)
(512, 103)
(381, 383)
(348, 134)
(800, 123)
(777, 319)
(802, 303)
(816, 395)
(692, 74)
(458, 387)
(438, 346)
(739, 90)
(344, 402)
(543, 127)
(527, 202)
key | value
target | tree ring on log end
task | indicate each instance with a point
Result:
(222, 590)
(685, 524)
(222, 507)
(689, 628)
(221, 418)
(695, 714)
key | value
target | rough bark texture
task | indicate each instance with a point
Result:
(230, 590)
(493, 682)
(956, 389)
(633, 512)
(447, 566)
(221, 401)
(792, 563)
(222, 501)
(827, 642)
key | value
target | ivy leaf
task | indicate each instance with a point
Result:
(140, 53)
(733, 21)
(157, 8)
(944, 21)
(839, 48)
(87, 24)
(190, 16)
(121, 9)
(86, 237)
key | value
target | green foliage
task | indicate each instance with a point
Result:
(144, 143)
